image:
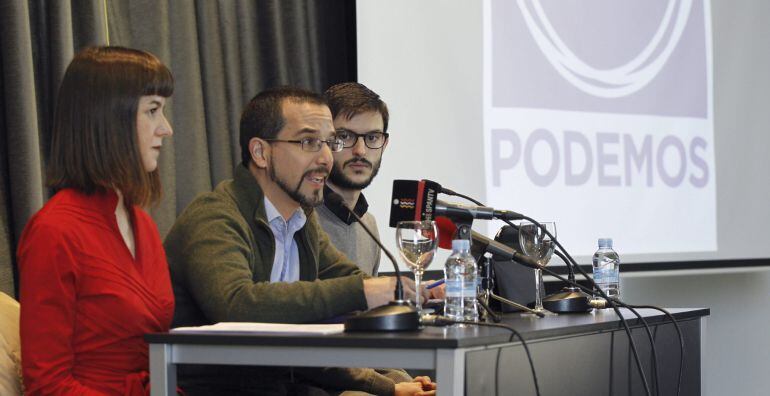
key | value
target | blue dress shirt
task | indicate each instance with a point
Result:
(286, 260)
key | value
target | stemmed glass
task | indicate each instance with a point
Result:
(538, 245)
(417, 242)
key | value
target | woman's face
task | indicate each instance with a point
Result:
(151, 127)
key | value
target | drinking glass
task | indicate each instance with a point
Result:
(539, 246)
(417, 242)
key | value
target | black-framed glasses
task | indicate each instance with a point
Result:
(314, 144)
(372, 140)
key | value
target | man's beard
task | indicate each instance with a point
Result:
(307, 201)
(339, 179)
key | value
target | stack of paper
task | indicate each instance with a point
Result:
(264, 328)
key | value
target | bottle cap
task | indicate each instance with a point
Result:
(605, 243)
(460, 244)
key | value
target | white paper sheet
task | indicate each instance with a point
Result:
(264, 328)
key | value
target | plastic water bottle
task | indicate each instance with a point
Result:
(607, 269)
(461, 276)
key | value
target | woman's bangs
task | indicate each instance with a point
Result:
(159, 81)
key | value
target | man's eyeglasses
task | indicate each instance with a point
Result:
(372, 140)
(314, 144)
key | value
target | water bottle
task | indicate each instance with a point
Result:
(461, 278)
(607, 269)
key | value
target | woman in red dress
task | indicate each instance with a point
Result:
(94, 277)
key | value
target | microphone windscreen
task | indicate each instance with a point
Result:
(446, 231)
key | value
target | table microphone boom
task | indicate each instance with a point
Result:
(397, 315)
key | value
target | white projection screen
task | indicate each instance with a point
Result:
(643, 121)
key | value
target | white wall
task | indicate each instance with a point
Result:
(736, 359)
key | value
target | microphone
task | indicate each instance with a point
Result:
(416, 200)
(469, 212)
(398, 315)
(497, 214)
(446, 231)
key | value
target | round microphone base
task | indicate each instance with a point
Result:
(395, 316)
(569, 300)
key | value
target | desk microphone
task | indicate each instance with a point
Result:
(397, 315)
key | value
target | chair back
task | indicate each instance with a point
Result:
(10, 347)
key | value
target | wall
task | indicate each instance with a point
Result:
(736, 359)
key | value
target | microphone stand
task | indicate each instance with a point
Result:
(488, 310)
(570, 299)
(464, 232)
(488, 292)
(397, 315)
(487, 284)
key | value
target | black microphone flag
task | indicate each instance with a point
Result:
(413, 200)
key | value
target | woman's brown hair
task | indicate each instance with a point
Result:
(94, 145)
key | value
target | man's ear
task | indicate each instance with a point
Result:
(257, 148)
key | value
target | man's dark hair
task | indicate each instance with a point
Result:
(94, 145)
(351, 98)
(263, 116)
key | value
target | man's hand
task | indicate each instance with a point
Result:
(438, 292)
(409, 287)
(427, 384)
(379, 291)
(421, 386)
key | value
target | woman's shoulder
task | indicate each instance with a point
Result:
(67, 214)
(57, 212)
(47, 229)
(70, 198)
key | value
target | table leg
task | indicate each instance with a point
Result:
(450, 371)
(162, 371)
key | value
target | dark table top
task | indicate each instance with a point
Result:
(531, 328)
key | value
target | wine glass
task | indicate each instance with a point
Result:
(539, 246)
(417, 241)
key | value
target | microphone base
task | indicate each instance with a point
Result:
(569, 300)
(395, 316)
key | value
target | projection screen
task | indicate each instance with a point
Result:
(643, 121)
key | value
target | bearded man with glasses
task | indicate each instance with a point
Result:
(361, 121)
(252, 251)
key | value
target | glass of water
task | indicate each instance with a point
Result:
(538, 245)
(417, 242)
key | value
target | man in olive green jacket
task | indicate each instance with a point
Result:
(252, 250)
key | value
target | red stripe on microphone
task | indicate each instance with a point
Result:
(418, 202)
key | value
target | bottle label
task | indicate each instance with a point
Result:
(605, 275)
(598, 276)
(460, 288)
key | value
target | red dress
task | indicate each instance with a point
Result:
(86, 303)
